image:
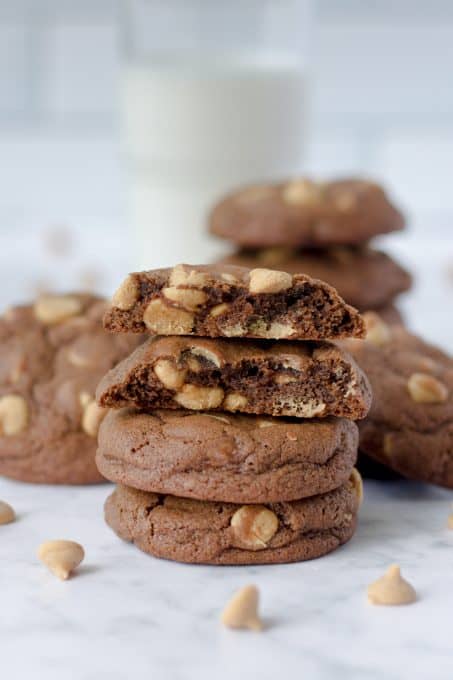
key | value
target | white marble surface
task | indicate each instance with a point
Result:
(127, 615)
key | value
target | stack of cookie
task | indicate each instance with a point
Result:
(226, 448)
(320, 229)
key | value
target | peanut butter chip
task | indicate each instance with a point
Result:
(302, 192)
(50, 309)
(13, 415)
(377, 331)
(355, 479)
(242, 610)
(253, 526)
(269, 281)
(164, 320)
(198, 398)
(127, 294)
(188, 298)
(425, 389)
(7, 514)
(179, 275)
(235, 402)
(92, 415)
(391, 589)
(61, 557)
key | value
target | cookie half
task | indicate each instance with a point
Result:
(304, 213)
(226, 301)
(365, 278)
(410, 424)
(304, 380)
(226, 457)
(52, 355)
(201, 532)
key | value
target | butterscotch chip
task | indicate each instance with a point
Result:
(13, 415)
(426, 389)
(7, 513)
(378, 332)
(61, 557)
(186, 297)
(200, 531)
(52, 309)
(254, 526)
(169, 374)
(391, 589)
(45, 369)
(165, 320)
(324, 380)
(198, 397)
(236, 302)
(269, 281)
(127, 294)
(303, 213)
(242, 610)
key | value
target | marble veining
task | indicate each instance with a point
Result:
(128, 615)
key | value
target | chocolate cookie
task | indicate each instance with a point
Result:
(226, 301)
(52, 355)
(305, 380)
(365, 278)
(226, 457)
(303, 213)
(203, 532)
(410, 425)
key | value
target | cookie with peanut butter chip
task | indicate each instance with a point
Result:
(301, 379)
(226, 457)
(52, 355)
(410, 424)
(305, 213)
(204, 532)
(227, 301)
(365, 278)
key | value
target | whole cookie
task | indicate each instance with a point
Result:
(52, 355)
(365, 278)
(226, 457)
(304, 213)
(202, 532)
(409, 427)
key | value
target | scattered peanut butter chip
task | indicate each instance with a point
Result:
(242, 610)
(391, 589)
(7, 514)
(61, 557)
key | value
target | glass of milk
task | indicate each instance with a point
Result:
(214, 95)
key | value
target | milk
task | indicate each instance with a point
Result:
(194, 129)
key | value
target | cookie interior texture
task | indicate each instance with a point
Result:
(305, 213)
(294, 379)
(52, 355)
(201, 532)
(408, 429)
(227, 301)
(365, 278)
(226, 457)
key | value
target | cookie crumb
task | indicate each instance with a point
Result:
(7, 514)
(242, 610)
(391, 589)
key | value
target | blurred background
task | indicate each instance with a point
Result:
(80, 165)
